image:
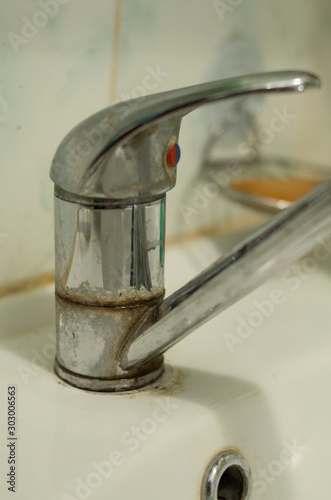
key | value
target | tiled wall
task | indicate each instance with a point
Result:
(61, 60)
(48, 83)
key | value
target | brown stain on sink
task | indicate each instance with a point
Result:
(27, 285)
(170, 384)
(277, 189)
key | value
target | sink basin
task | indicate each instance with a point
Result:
(255, 379)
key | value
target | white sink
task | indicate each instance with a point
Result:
(263, 391)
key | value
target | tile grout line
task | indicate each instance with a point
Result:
(115, 50)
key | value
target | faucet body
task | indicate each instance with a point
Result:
(109, 273)
(111, 174)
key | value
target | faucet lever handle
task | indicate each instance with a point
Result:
(121, 153)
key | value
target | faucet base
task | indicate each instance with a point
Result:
(107, 385)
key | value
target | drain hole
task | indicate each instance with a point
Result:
(231, 484)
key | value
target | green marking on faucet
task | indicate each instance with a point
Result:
(161, 229)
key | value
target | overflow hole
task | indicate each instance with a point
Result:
(227, 477)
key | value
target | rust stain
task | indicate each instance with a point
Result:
(63, 384)
(277, 189)
(170, 387)
(222, 228)
(171, 383)
(131, 302)
(129, 318)
(27, 285)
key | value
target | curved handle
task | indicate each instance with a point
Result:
(119, 153)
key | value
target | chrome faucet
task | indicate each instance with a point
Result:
(111, 174)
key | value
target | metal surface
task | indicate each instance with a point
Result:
(111, 175)
(109, 255)
(233, 472)
(109, 274)
(90, 340)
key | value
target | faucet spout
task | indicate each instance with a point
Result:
(286, 237)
